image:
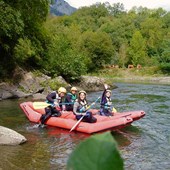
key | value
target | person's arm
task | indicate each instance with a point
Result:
(103, 100)
(50, 97)
(75, 107)
(68, 99)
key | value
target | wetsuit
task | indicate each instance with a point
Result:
(70, 98)
(80, 107)
(51, 110)
(105, 109)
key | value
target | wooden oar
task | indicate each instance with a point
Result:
(84, 115)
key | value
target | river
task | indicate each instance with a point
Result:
(145, 145)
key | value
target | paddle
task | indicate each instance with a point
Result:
(84, 114)
(114, 110)
(41, 105)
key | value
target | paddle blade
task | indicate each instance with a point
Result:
(40, 105)
(114, 110)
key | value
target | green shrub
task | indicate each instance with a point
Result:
(165, 67)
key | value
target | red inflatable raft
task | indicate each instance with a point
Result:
(67, 120)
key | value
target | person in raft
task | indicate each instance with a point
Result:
(55, 99)
(80, 108)
(70, 99)
(105, 108)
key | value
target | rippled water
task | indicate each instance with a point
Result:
(144, 146)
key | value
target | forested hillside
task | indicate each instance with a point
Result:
(83, 42)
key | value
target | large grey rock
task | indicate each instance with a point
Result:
(32, 84)
(10, 137)
(9, 91)
(39, 96)
(93, 83)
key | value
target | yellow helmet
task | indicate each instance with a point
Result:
(82, 91)
(73, 89)
(62, 90)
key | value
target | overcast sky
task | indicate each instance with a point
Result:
(128, 4)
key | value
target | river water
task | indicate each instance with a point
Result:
(145, 145)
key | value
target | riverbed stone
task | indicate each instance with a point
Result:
(10, 137)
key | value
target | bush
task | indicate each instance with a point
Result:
(165, 67)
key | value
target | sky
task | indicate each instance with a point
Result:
(128, 4)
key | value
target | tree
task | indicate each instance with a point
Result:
(164, 58)
(64, 53)
(137, 49)
(122, 55)
(11, 28)
(22, 21)
(152, 30)
(99, 47)
(116, 9)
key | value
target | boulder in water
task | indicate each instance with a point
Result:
(10, 137)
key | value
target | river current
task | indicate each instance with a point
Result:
(145, 145)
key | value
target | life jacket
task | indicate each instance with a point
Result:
(56, 98)
(107, 104)
(82, 106)
(73, 97)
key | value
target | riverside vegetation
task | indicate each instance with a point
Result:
(84, 42)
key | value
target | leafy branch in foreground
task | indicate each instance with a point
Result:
(97, 152)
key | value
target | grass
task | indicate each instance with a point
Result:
(125, 72)
(145, 74)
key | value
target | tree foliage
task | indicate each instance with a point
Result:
(82, 42)
(21, 27)
(137, 49)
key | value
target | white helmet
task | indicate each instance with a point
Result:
(82, 91)
(73, 89)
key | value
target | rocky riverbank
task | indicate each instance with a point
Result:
(39, 85)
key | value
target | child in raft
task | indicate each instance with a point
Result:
(105, 108)
(55, 99)
(80, 108)
(70, 99)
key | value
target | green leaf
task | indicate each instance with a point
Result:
(98, 152)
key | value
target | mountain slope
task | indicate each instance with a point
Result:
(61, 7)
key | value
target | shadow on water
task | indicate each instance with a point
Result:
(144, 145)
